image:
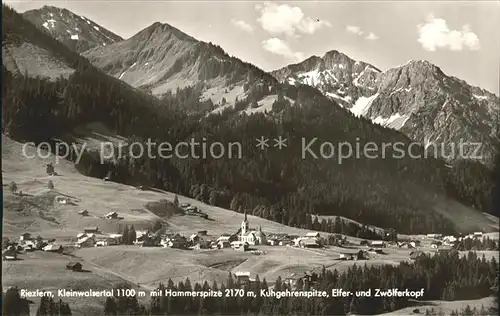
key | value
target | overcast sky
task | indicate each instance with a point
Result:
(462, 38)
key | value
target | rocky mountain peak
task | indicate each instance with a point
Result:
(76, 32)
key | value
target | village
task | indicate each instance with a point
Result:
(244, 239)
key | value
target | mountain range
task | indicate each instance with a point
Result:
(108, 84)
(417, 98)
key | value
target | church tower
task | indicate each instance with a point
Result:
(244, 225)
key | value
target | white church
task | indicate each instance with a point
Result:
(251, 236)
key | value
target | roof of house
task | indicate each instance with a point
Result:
(242, 273)
(52, 247)
(312, 234)
(83, 240)
(73, 264)
(309, 242)
(9, 252)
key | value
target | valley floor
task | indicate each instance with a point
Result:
(38, 213)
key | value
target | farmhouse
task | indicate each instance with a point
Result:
(61, 200)
(225, 237)
(436, 236)
(346, 256)
(272, 241)
(151, 239)
(194, 238)
(111, 215)
(202, 232)
(222, 244)
(377, 244)
(87, 241)
(478, 234)
(406, 245)
(362, 255)
(450, 239)
(25, 236)
(176, 241)
(191, 209)
(285, 242)
(29, 245)
(74, 266)
(239, 245)
(9, 254)
(114, 239)
(309, 243)
(313, 235)
(243, 277)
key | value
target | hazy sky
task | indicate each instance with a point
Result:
(462, 38)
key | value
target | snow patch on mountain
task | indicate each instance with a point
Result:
(395, 121)
(362, 105)
(347, 99)
(310, 77)
(123, 73)
(52, 22)
(480, 97)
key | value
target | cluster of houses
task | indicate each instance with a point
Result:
(92, 237)
(241, 240)
(28, 243)
(437, 240)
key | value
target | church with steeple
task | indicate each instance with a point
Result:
(251, 236)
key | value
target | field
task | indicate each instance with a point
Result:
(38, 213)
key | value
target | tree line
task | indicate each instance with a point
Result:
(445, 276)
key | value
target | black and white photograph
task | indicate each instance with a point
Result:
(253, 158)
